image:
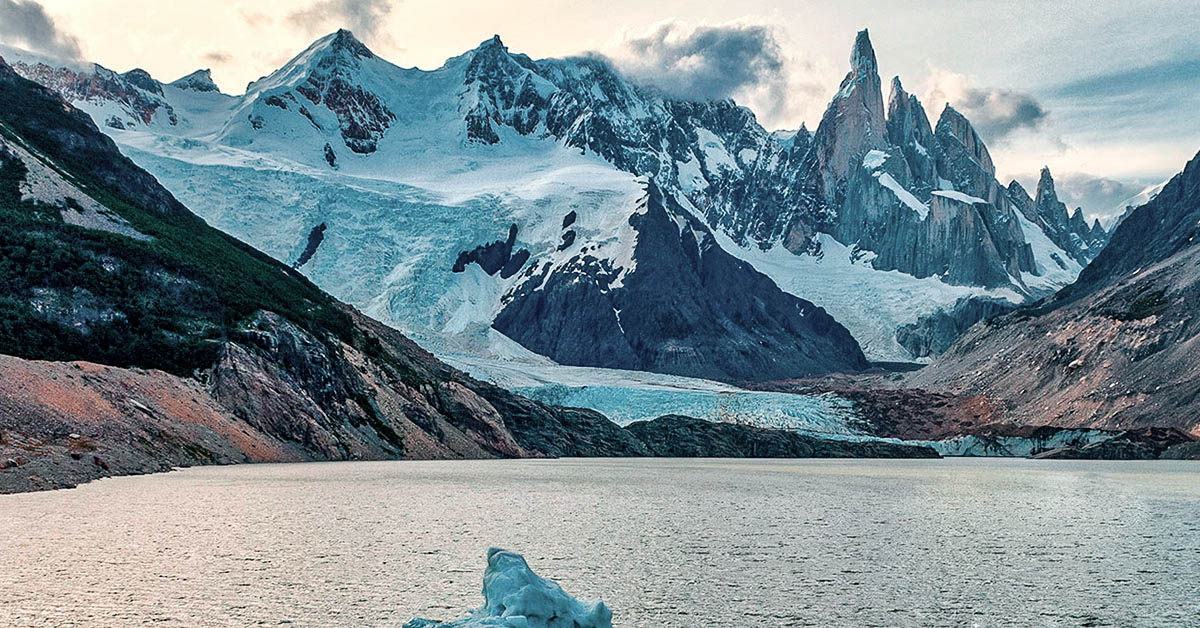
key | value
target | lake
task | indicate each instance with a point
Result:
(956, 542)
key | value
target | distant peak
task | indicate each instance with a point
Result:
(142, 79)
(491, 43)
(951, 115)
(1045, 180)
(200, 81)
(1045, 188)
(898, 96)
(344, 42)
(863, 56)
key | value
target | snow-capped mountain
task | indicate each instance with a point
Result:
(416, 179)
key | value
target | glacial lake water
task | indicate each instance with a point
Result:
(959, 542)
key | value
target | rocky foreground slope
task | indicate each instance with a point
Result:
(1118, 349)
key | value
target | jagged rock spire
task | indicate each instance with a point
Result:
(862, 58)
(854, 122)
(908, 127)
(1045, 188)
(954, 123)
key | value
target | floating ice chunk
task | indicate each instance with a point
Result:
(515, 597)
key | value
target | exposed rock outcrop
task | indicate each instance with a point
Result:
(495, 257)
(199, 81)
(686, 307)
(686, 437)
(316, 235)
(1145, 444)
(933, 334)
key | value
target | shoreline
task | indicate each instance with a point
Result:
(5, 488)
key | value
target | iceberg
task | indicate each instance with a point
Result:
(515, 597)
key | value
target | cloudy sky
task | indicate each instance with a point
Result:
(1104, 92)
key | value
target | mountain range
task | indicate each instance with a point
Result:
(135, 338)
(542, 169)
(506, 211)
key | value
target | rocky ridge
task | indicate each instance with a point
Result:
(1114, 350)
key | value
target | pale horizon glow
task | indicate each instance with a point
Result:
(1109, 91)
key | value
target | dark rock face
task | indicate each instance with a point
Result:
(686, 437)
(1157, 231)
(142, 79)
(1114, 350)
(908, 128)
(933, 334)
(315, 237)
(495, 257)
(1145, 444)
(686, 308)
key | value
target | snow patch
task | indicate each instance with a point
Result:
(874, 159)
(904, 195)
(1055, 267)
(959, 196)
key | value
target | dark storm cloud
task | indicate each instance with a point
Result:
(25, 23)
(709, 62)
(363, 17)
(217, 57)
(1145, 80)
(996, 113)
